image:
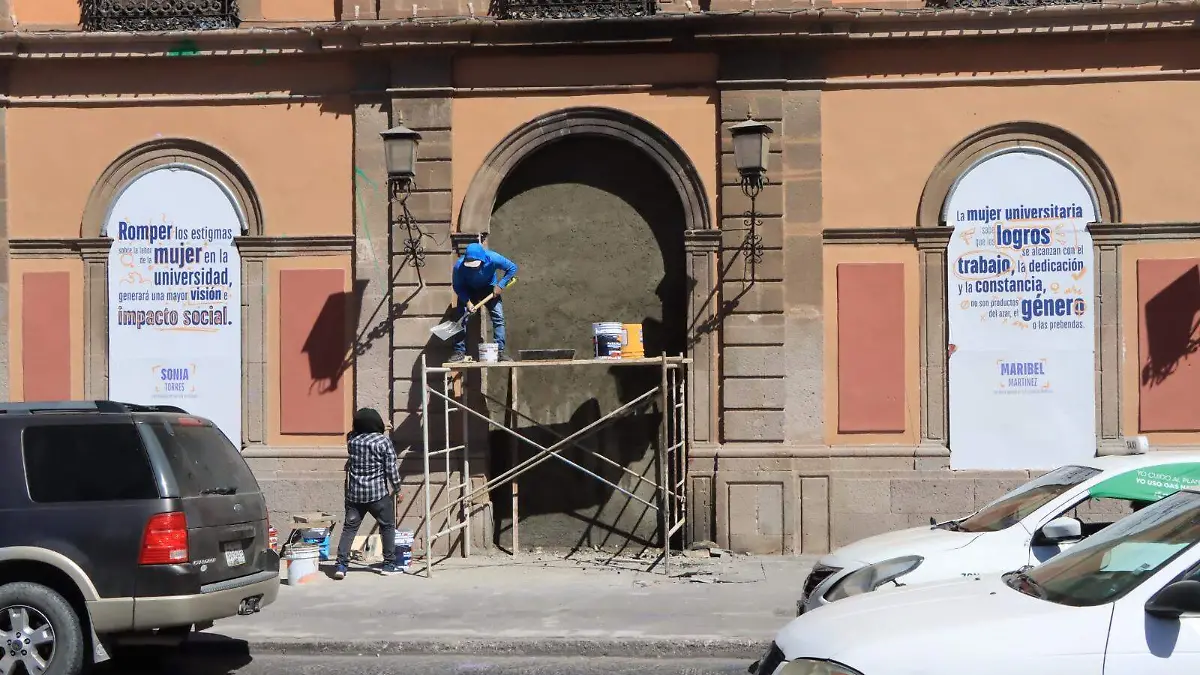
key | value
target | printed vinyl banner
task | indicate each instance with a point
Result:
(174, 306)
(1021, 303)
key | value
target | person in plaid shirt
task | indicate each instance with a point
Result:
(372, 481)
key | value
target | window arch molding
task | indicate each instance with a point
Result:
(932, 238)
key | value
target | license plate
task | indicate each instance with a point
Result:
(234, 556)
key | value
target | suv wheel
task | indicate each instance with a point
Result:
(40, 634)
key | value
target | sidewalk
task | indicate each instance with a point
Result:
(729, 606)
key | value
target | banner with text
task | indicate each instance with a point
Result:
(1021, 306)
(174, 284)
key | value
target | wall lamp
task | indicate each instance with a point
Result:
(751, 150)
(400, 155)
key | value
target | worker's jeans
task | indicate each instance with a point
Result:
(495, 309)
(384, 513)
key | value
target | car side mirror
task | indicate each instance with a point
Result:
(1177, 599)
(1060, 529)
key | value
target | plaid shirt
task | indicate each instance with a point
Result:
(372, 466)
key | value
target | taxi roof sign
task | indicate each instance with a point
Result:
(1137, 445)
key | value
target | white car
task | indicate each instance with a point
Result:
(1027, 526)
(1124, 602)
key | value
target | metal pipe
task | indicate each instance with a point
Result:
(425, 446)
(664, 509)
(544, 454)
(580, 446)
(466, 463)
(446, 439)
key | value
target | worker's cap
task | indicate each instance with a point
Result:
(472, 263)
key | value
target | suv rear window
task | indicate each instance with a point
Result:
(203, 459)
(87, 463)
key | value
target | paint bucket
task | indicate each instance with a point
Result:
(319, 537)
(404, 544)
(633, 347)
(302, 564)
(608, 338)
(489, 352)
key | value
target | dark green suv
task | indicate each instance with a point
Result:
(119, 522)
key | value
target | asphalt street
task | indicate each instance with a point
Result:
(271, 664)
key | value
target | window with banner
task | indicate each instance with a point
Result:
(1020, 313)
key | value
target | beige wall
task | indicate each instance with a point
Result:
(298, 159)
(17, 268)
(45, 12)
(687, 112)
(871, 253)
(483, 121)
(303, 10)
(883, 142)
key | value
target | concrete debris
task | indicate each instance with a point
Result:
(703, 545)
(717, 552)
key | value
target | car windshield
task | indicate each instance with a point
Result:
(1014, 506)
(1115, 560)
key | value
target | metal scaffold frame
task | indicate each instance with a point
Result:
(670, 470)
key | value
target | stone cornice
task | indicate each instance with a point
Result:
(922, 237)
(281, 247)
(701, 241)
(465, 31)
(1130, 233)
(58, 248)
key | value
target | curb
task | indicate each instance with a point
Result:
(667, 647)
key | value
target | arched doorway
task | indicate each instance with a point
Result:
(593, 205)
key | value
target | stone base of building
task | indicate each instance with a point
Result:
(765, 499)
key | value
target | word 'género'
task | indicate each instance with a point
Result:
(1051, 307)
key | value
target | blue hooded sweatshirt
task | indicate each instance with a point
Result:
(468, 280)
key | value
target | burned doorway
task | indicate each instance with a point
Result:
(597, 227)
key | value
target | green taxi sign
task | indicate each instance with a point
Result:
(1149, 484)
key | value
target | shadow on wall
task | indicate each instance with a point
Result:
(597, 229)
(328, 346)
(1172, 327)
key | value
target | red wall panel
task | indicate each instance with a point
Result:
(46, 335)
(1168, 341)
(313, 344)
(870, 337)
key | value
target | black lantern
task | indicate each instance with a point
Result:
(400, 154)
(751, 148)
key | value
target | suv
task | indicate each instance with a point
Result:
(118, 522)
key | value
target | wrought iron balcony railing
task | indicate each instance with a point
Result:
(158, 15)
(572, 9)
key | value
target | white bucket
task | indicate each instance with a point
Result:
(302, 564)
(489, 352)
(607, 338)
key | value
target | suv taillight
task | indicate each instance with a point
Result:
(272, 536)
(165, 540)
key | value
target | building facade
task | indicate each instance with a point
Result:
(976, 254)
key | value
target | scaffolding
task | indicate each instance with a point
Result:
(670, 458)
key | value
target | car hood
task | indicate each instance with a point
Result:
(874, 629)
(913, 541)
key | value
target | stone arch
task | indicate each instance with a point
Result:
(480, 199)
(150, 155)
(702, 237)
(999, 137)
(932, 239)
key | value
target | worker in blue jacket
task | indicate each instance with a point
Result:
(478, 273)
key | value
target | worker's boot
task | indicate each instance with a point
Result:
(503, 356)
(457, 358)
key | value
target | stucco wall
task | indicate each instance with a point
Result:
(884, 140)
